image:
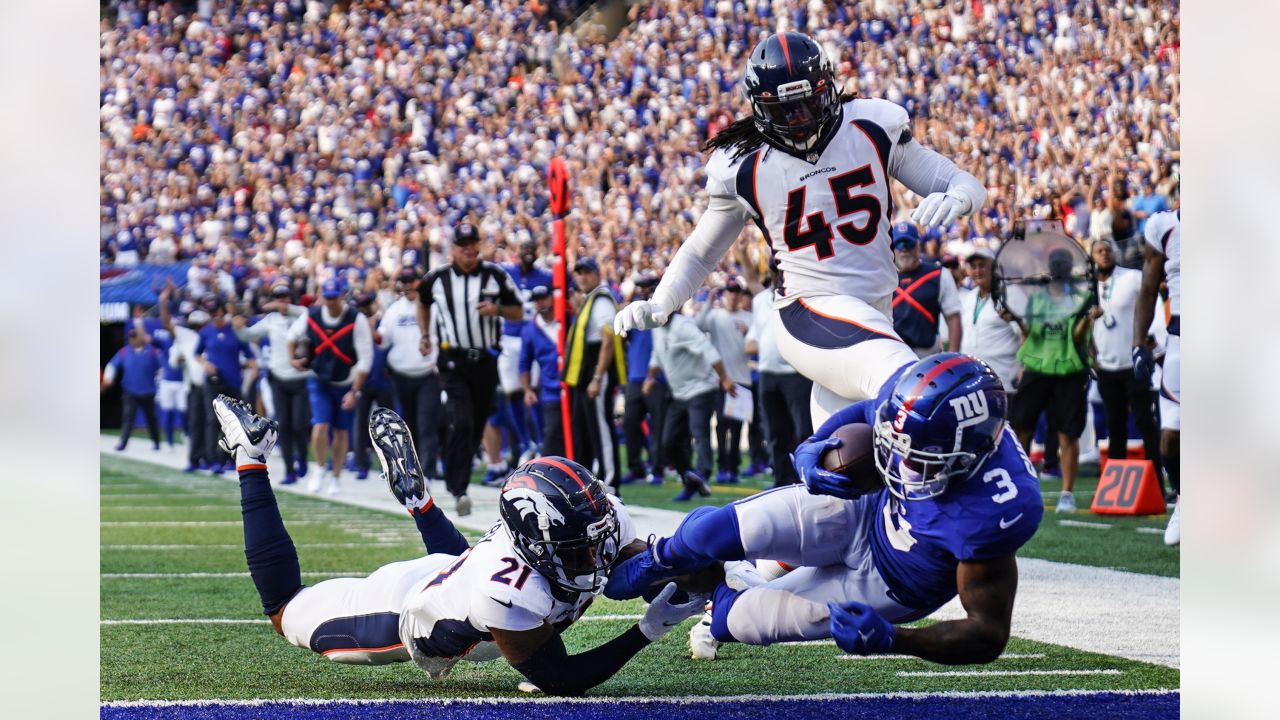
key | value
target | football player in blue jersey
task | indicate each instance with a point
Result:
(960, 498)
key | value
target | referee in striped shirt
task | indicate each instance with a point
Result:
(463, 305)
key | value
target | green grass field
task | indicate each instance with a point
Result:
(170, 551)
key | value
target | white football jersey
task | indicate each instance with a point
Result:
(447, 616)
(827, 220)
(1163, 232)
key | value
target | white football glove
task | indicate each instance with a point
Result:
(639, 315)
(940, 209)
(662, 615)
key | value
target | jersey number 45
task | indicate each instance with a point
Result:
(819, 233)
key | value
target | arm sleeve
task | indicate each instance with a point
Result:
(363, 338)
(555, 672)
(298, 329)
(253, 332)
(949, 297)
(715, 233)
(925, 171)
(508, 293)
(526, 347)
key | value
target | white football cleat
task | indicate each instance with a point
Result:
(334, 489)
(316, 480)
(1066, 502)
(244, 429)
(702, 646)
(1173, 531)
(400, 466)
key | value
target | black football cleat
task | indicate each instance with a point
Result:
(400, 466)
(243, 428)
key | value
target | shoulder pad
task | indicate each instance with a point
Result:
(890, 116)
(722, 172)
(1159, 225)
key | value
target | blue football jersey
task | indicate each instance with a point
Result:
(525, 282)
(917, 545)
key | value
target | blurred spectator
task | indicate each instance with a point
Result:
(784, 393)
(377, 387)
(137, 364)
(224, 358)
(1054, 376)
(511, 408)
(288, 384)
(926, 295)
(538, 346)
(991, 334)
(416, 380)
(355, 135)
(695, 374)
(727, 327)
(183, 355)
(1122, 393)
(594, 366)
(334, 342)
(644, 405)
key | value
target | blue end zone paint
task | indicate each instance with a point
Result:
(955, 707)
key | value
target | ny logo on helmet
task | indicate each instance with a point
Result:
(970, 409)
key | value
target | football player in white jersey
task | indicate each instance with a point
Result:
(811, 169)
(1163, 247)
(511, 595)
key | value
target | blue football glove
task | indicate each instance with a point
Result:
(807, 460)
(1143, 364)
(858, 629)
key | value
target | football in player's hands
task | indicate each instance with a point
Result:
(702, 581)
(854, 459)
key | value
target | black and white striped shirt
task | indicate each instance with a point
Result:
(452, 297)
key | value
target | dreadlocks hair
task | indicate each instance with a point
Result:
(743, 136)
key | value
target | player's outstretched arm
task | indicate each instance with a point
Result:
(698, 255)
(540, 654)
(948, 191)
(986, 589)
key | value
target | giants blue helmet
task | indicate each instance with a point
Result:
(938, 421)
(791, 86)
(562, 523)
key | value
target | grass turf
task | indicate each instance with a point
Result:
(228, 661)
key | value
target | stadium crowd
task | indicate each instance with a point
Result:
(295, 143)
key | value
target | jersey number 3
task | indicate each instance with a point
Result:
(819, 233)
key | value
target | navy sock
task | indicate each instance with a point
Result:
(1174, 472)
(438, 533)
(169, 420)
(268, 549)
(706, 535)
(721, 603)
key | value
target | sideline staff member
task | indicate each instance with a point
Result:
(463, 304)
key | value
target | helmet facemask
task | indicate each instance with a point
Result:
(799, 116)
(915, 473)
(579, 564)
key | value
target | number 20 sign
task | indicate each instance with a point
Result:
(1128, 487)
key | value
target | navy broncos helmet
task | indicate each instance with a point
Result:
(562, 522)
(938, 421)
(791, 85)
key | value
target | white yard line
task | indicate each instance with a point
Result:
(1002, 673)
(247, 621)
(1085, 524)
(1006, 656)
